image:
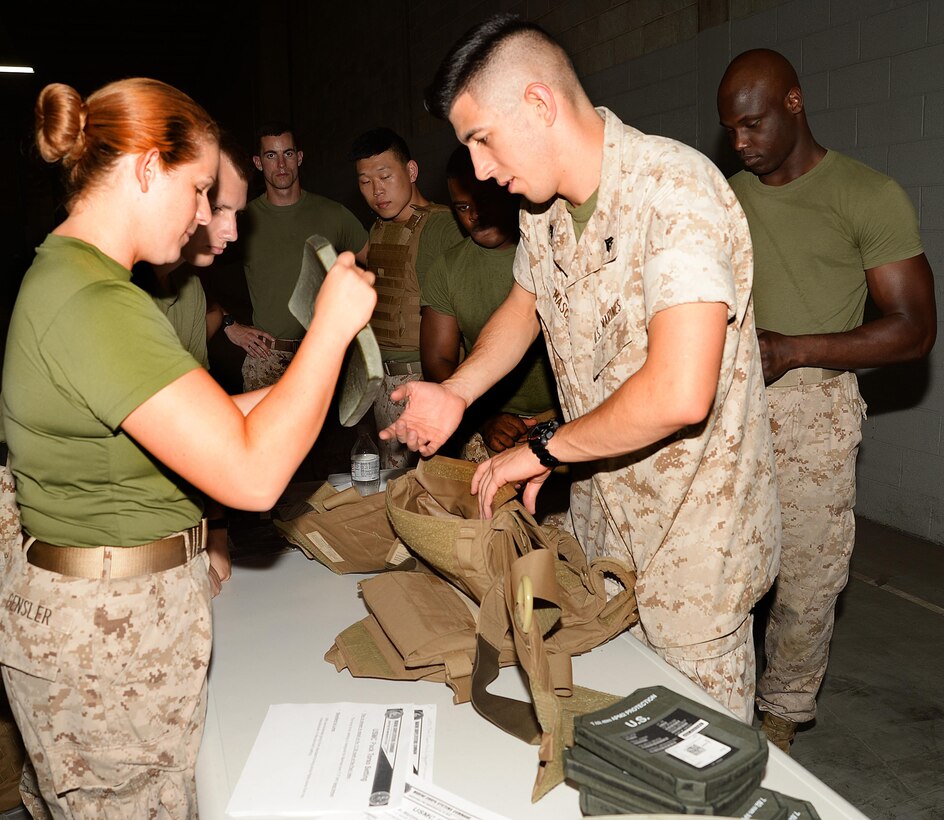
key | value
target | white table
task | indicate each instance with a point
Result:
(276, 618)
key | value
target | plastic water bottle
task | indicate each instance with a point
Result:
(365, 464)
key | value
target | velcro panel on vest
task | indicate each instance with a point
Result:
(346, 537)
(551, 756)
(433, 512)
(394, 248)
(366, 652)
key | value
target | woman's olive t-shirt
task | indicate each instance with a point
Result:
(85, 348)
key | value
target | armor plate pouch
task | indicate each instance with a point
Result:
(498, 592)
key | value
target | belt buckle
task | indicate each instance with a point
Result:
(196, 543)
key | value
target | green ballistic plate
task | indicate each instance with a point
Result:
(362, 372)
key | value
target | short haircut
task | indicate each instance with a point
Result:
(378, 140)
(472, 54)
(273, 128)
(232, 149)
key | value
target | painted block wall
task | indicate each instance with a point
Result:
(873, 77)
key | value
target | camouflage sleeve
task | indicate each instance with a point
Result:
(524, 276)
(689, 239)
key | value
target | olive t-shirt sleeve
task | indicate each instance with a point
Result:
(439, 235)
(436, 288)
(352, 235)
(89, 345)
(887, 227)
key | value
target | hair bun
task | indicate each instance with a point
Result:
(60, 123)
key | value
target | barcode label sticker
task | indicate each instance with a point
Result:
(696, 727)
(698, 750)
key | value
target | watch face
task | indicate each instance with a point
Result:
(543, 431)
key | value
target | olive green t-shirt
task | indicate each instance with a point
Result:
(580, 214)
(440, 233)
(815, 237)
(469, 282)
(85, 348)
(183, 301)
(273, 239)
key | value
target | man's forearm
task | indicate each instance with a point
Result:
(888, 340)
(214, 319)
(503, 342)
(675, 388)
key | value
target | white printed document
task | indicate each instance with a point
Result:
(316, 759)
(424, 801)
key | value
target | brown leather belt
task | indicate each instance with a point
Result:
(805, 375)
(285, 345)
(393, 368)
(120, 562)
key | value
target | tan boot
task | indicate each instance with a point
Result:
(779, 731)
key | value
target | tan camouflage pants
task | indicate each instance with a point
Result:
(107, 680)
(258, 373)
(816, 433)
(728, 677)
(393, 454)
(11, 537)
(12, 753)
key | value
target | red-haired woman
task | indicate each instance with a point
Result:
(112, 427)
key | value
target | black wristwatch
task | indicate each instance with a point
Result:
(228, 320)
(538, 437)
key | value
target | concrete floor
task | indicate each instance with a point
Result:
(878, 739)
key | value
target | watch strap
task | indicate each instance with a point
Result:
(538, 437)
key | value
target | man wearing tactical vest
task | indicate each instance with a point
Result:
(409, 234)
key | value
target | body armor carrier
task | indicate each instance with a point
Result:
(392, 254)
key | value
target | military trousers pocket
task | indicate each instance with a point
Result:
(33, 630)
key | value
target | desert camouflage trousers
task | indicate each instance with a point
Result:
(10, 534)
(816, 433)
(727, 671)
(107, 680)
(12, 753)
(258, 373)
(393, 454)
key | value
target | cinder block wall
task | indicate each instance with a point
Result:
(873, 76)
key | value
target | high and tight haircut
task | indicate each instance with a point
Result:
(376, 141)
(471, 55)
(273, 128)
(129, 116)
(232, 149)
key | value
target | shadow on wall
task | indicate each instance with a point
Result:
(895, 387)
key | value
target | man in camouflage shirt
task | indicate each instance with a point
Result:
(635, 262)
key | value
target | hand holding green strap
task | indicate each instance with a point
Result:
(362, 372)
